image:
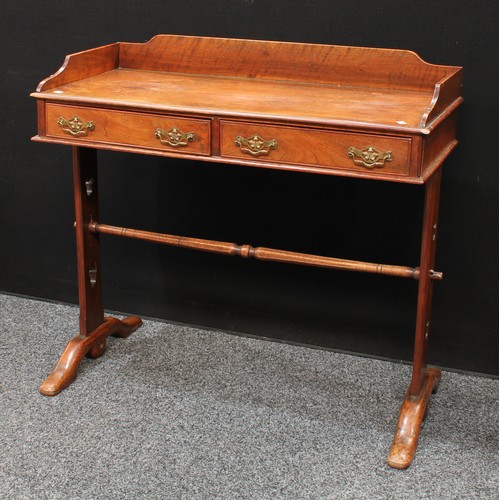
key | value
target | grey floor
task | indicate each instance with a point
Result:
(175, 412)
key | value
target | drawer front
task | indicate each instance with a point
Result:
(159, 132)
(316, 147)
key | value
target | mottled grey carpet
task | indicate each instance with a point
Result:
(175, 412)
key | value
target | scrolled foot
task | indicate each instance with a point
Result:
(403, 449)
(92, 345)
(127, 326)
(412, 414)
(56, 382)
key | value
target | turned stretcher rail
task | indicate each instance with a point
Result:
(262, 253)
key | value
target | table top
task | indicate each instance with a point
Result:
(230, 96)
(359, 90)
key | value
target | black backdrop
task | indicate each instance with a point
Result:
(365, 220)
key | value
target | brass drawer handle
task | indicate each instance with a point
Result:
(75, 125)
(174, 137)
(369, 157)
(255, 145)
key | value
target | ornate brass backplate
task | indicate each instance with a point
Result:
(369, 157)
(75, 126)
(174, 137)
(255, 145)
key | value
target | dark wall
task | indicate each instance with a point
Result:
(365, 220)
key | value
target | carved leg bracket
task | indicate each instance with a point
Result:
(413, 411)
(92, 345)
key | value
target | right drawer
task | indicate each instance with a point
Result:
(316, 147)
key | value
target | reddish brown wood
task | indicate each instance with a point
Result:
(389, 96)
(67, 367)
(82, 65)
(261, 253)
(446, 94)
(137, 129)
(424, 301)
(250, 98)
(439, 144)
(40, 107)
(260, 163)
(94, 329)
(413, 411)
(326, 64)
(438, 161)
(317, 101)
(215, 136)
(87, 243)
(316, 147)
(424, 380)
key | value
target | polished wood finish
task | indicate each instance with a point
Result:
(316, 147)
(94, 328)
(424, 380)
(87, 244)
(424, 300)
(413, 411)
(83, 65)
(137, 129)
(250, 98)
(380, 114)
(261, 253)
(314, 63)
(390, 93)
(92, 345)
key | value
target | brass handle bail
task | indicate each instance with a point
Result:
(174, 137)
(369, 157)
(75, 126)
(255, 145)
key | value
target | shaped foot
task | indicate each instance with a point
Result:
(412, 414)
(92, 345)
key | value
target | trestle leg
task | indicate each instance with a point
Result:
(94, 327)
(424, 380)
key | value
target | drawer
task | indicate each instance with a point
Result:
(159, 132)
(316, 147)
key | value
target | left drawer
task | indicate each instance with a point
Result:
(143, 130)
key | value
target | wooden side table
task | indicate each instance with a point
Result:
(331, 110)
